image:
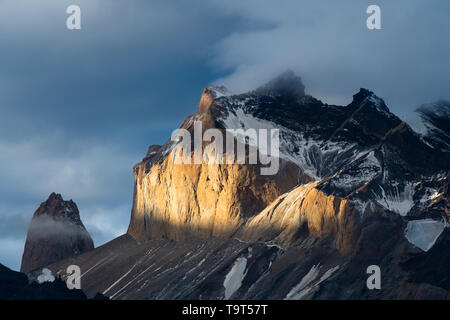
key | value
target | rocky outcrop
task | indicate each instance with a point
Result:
(303, 213)
(181, 201)
(55, 233)
(178, 201)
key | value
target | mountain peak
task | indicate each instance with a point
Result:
(55, 233)
(218, 91)
(361, 95)
(55, 206)
(210, 93)
(287, 83)
(55, 196)
(371, 100)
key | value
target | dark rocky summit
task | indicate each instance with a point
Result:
(55, 233)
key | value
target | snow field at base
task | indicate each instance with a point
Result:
(233, 280)
(424, 233)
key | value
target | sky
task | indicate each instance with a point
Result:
(78, 108)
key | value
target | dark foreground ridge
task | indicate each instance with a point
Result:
(15, 286)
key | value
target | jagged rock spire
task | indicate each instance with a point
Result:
(55, 233)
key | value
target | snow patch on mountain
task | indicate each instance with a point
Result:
(309, 282)
(312, 155)
(361, 205)
(429, 195)
(46, 276)
(365, 171)
(380, 105)
(120, 279)
(219, 91)
(241, 120)
(233, 280)
(395, 200)
(424, 233)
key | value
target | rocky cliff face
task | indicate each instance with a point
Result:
(178, 201)
(55, 233)
(303, 213)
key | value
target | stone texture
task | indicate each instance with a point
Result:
(305, 212)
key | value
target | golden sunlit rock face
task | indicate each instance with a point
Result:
(305, 212)
(182, 201)
(177, 201)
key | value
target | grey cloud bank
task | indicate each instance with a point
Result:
(329, 45)
(79, 108)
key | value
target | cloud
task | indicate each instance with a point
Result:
(133, 64)
(45, 164)
(106, 223)
(47, 227)
(328, 44)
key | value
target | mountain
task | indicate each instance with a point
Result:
(55, 233)
(359, 156)
(355, 187)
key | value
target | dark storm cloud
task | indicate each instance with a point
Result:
(79, 108)
(130, 61)
(327, 43)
